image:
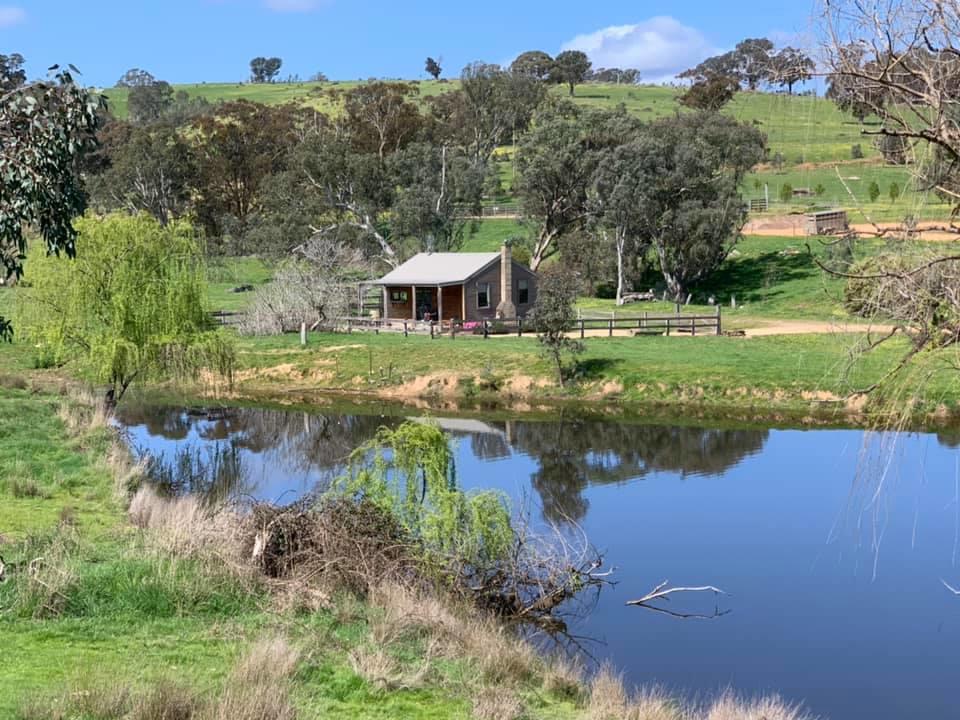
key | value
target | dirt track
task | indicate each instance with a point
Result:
(794, 226)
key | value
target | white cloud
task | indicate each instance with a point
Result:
(659, 48)
(293, 5)
(10, 16)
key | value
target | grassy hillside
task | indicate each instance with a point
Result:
(810, 135)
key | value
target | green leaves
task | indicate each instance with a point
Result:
(129, 307)
(45, 129)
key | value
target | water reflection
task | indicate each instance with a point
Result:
(570, 455)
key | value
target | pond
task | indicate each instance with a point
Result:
(832, 544)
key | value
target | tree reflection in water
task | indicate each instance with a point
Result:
(570, 453)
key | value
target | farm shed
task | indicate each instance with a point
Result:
(827, 222)
(459, 286)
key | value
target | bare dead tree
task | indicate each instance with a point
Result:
(314, 288)
(900, 60)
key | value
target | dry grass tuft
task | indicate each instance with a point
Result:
(608, 697)
(128, 475)
(185, 526)
(499, 656)
(377, 667)
(259, 686)
(166, 700)
(13, 382)
(43, 585)
(610, 700)
(729, 707)
(493, 703)
(564, 678)
(84, 412)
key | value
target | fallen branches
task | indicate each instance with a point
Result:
(663, 592)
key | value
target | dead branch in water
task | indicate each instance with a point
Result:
(663, 592)
(950, 587)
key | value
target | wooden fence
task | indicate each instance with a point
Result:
(645, 324)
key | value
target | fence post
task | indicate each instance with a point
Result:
(303, 332)
(693, 327)
(610, 333)
(644, 326)
(582, 333)
(520, 327)
(349, 326)
(719, 321)
(405, 329)
(431, 329)
(668, 326)
(486, 330)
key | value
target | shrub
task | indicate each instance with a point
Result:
(856, 152)
(873, 191)
(786, 192)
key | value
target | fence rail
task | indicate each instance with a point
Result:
(644, 324)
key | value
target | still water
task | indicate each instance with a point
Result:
(833, 544)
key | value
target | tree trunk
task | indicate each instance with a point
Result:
(571, 89)
(621, 243)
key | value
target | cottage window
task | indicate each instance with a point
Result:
(483, 295)
(523, 292)
(399, 296)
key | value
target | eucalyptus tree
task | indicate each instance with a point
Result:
(12, 74)
(135, 77)
(433, 68)
(491, 107)
(553, 173)
(791, 66)
(617, 192)
(380, 117)
(130, 307)
(46, 129)
(149, 103)
(687, 172)
(533, 63)
(150, 169)
(570, 68)
(237, 149)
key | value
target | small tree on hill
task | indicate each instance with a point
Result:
(570, 68)
(555, 316)
(433, 68)
(264, 70)
(534, 63)
(12, 74)
(130, 307)
(786, 192)
(135, 77)
(873, 191)
(894, 192)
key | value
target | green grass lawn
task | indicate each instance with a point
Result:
(224, 275)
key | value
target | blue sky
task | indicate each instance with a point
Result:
(213, 40)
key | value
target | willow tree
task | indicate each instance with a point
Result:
(129, 307)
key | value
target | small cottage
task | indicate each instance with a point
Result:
(466, 287)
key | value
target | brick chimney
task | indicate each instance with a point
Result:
(506, 309)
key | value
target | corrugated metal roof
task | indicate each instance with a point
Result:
(439, 268)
